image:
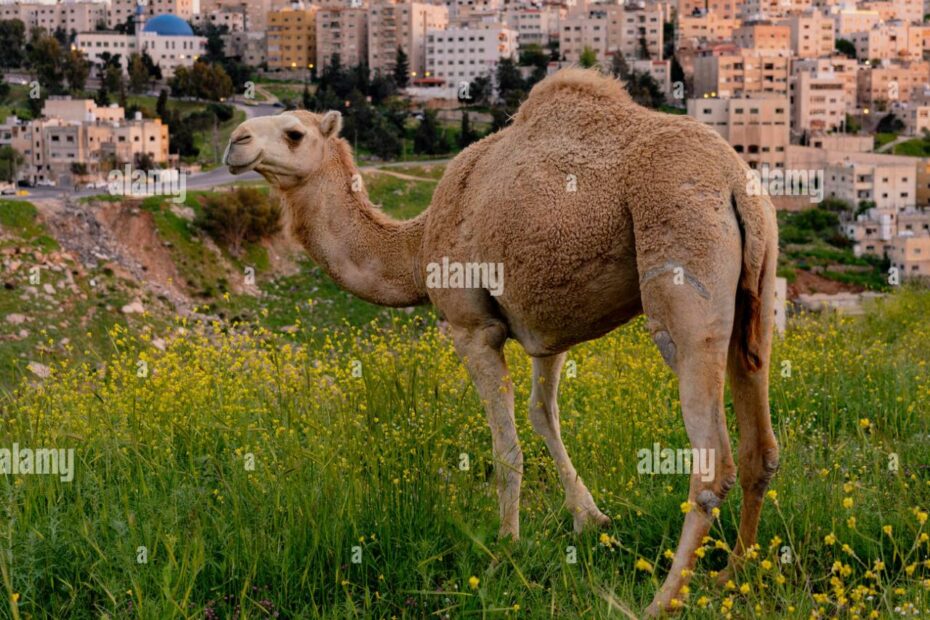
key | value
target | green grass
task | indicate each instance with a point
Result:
(918, 147)
(881, 139)
(357, 440)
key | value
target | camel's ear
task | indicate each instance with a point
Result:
(331, 124)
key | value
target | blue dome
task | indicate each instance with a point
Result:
(168, 25)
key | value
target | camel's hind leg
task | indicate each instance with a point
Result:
(758, 449)
(692, 329)
(544, 415)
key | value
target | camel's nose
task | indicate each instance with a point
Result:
(240, 135)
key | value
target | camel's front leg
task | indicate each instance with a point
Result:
(482, 351)
(544, 415)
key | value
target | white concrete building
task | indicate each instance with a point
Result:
(458, 55)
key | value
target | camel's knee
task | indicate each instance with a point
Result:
(713, 496)
(757, 468)
(666, 346)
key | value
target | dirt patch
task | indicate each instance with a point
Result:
(807, 283)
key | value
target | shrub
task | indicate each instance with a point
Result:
(244, 215)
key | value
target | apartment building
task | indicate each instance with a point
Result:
(889, 41)
(763, 36)
(458, 55)
(818, 102)
(234, 20)
(121, 10)
(704, 28)
(256, 11)
(910, 253)
(843, 68)
(849, 19)
(866, 177)
(878, 86)
(393, 24)
(535, 26)
(342, 30)
(812, 35)
(290, 37)
(636, 32)
(727, 70)
(71, 17)
(249, 46)
(910, 11)
(79, 132)
(585, 29)
(772, 9)
(757, 127)
(725, 9)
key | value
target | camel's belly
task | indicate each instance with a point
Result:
(565, 314)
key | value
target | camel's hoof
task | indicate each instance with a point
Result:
(590, 518)
(653, 611)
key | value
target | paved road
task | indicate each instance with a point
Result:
(211, 178)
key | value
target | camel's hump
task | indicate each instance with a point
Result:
(574, 82)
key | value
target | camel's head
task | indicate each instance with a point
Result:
(285, 149)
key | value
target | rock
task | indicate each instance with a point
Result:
(48, 288)
(159, 344)
(23, 334)
(40, 370)
(135, 307)
(16, 319)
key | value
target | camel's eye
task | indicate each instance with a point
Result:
(294, 135)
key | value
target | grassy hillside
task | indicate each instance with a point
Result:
(357, 505)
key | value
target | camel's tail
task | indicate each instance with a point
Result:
(755, 294)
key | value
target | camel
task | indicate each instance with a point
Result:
(596, 210)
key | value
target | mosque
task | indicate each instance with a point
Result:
(167, 39)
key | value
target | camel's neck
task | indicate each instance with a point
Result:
(366, 252)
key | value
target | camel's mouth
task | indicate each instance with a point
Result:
(240, 168)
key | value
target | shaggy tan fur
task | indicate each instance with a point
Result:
(598, 210)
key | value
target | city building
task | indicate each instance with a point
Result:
(290, 37)
(77, 137)
(812, 35)
(818, 102)
(342, 30)
(78, 16)
(459, 55)
(121, 11)
(879, 86)
(167, 39)
(393, 25)
(756, 127)
(727, 70)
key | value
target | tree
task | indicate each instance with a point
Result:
(588, 58)
(138, 74)
(619, 67)
(509, 80)
(890, 124)
(13, 43)
(10, 160)
(46, 60)
(161, 106)
(467, 135)
(401, 68)
(384, 139)
(427, 139)
(113, 78)
(645, 90)
(846, 47)
(76, 70)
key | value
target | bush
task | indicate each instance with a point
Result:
(242, 216)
